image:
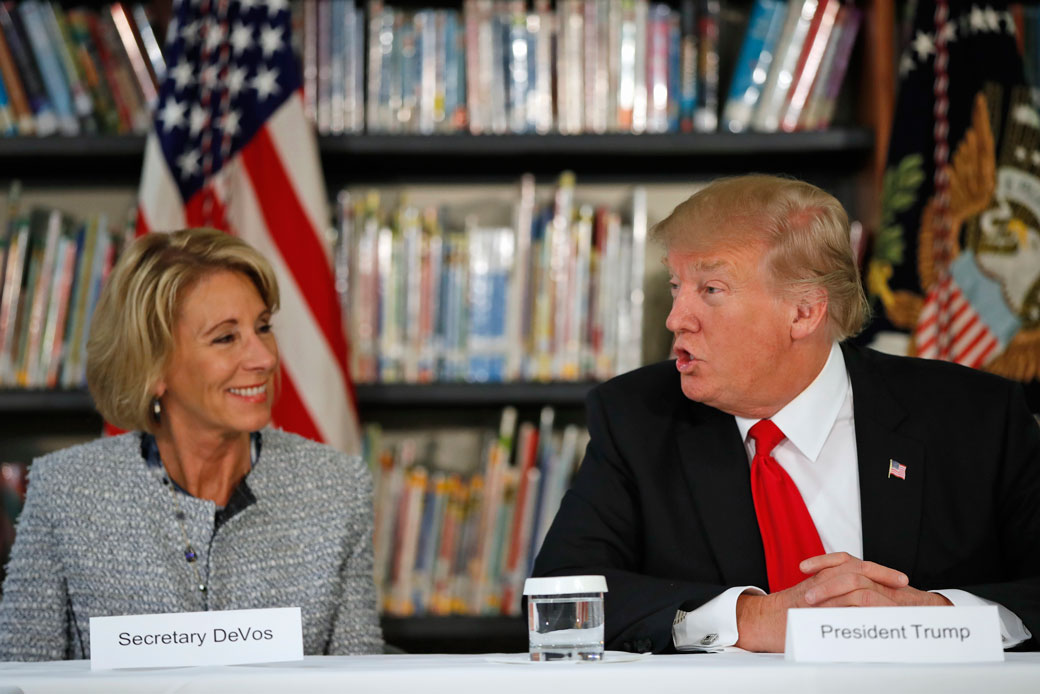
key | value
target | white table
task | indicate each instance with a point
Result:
(461, 674)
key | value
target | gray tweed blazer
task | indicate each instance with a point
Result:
(98, 536)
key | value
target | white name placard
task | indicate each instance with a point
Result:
(894, 635)
(229, 637)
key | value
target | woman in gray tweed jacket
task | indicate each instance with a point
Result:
(200, 507)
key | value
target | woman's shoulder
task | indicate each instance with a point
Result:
(319, 458)
(92, 460)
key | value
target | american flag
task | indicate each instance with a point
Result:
(896, 470)
(230, 148)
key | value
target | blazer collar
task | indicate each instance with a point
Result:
(715, 465)
(890, 506)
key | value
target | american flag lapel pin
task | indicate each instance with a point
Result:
(896, 469)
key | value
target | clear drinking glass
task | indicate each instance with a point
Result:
(565, 617)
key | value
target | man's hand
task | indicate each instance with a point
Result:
(835, 580)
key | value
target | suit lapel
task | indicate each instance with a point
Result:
(715, 465)
(890, 506)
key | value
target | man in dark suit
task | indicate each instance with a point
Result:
(928, 471)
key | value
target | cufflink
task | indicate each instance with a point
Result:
(709, 639)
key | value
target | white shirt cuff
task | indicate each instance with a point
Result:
(711, 626)
(1012, 630)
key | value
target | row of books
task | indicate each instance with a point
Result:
(583, 66)
(449, 543)
(53, 266)
(555, 296)
(791, 65)
(77, 70)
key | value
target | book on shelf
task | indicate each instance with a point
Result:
(462, 541)
(21, 112)
(7, 121)
(782, 73)
(813, 49)
(45, 120)
(753, 63)
(705, 115)
(824, 96)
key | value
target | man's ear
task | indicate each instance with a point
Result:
(810, 314)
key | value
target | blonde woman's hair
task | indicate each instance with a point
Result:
(805, 229)
(132, 331)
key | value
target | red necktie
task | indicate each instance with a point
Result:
(788, 532)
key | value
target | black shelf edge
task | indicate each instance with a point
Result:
(456, 634)
(472, 394)
(464, 144)
(383, 158)
(607, 144)
(74, 147)
(36, 401)
(26, 401)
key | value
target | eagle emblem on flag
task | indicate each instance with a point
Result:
(956, 263)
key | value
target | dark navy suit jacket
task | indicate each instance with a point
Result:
(662, 504)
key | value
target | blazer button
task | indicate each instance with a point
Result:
(627, 646)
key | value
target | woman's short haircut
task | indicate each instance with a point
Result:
(132, 331)
(806, 231)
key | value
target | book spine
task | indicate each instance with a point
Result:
(43, 286)
(139, 64)
(45, 121)
(338, 65)
(753, 62)
(11, 296)
(657, 68)
(850, 28)
(76, 26)
(705, 116)
(325, 37)
(21, 112)
(640, 95)
(62, 44)
(688, 65)
(149, 43)
(770, 107)
(54, 79)
(816, 40)
(54, 343)
(7, 123)
(117, 65)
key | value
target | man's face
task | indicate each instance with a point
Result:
(732, 328)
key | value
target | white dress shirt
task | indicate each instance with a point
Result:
(820, 456)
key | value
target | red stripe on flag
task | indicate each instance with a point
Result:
(991, 346)
(297, 241)
(967, 329)
(291, 414)
(981, 334)
(142, 223)
(204, 209)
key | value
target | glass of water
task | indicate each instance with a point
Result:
(565, 617)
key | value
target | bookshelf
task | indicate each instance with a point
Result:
(845, 160)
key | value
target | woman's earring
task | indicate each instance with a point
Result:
(156, 409)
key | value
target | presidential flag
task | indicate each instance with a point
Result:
(230, 148)
(955, 270)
